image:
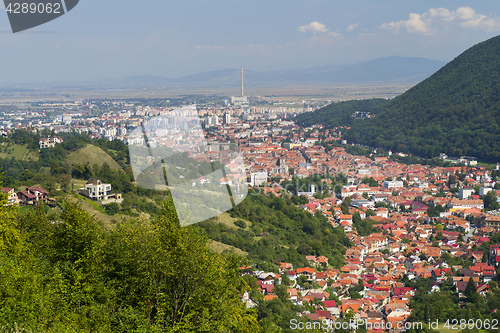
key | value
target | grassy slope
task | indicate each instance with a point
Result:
(19, 152)
(93, 155)
(228, 221)
(93, 209)
(221, 247)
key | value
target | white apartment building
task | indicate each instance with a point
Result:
(97, 190)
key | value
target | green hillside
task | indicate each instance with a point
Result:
(19, 152)
(272, 229)
(455, 111)
(93, 155)
(340, 114)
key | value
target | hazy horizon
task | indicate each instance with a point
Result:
(113, 39)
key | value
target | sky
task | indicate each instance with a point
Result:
(102, 39)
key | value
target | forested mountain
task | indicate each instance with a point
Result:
(280, 231)
(455, 111)
(340, 114)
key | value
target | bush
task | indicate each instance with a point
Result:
(112, 208)
(240, 223)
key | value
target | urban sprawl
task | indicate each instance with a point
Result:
(423, 214)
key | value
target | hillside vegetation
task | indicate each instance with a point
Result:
(20, 152)
(455, 111)
(62, 271)
(279, 231)
(92, 154)
(340, 114)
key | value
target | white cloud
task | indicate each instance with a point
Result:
(352, 27)
(314, 27)
(434, 19)
(414, 24)
(441, 13)
(466, 14)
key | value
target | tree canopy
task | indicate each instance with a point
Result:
(62, 271)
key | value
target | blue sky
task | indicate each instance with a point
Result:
(115, 38)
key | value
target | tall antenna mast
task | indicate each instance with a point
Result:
(242, 82)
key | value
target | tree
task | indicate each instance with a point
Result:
(27, 175)
(190, 288)
(77, 170)
(285, 280)
(10, 237)
(484, 259)
(65, 181)
(471, 292)
(112, 208)
(154, 276)
(370, 212)
(338, 189)
(302, 280)
(370, 182)
(490, 201)
(345, 205)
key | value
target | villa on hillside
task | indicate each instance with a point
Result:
(33, 196)
(98, 191)
(49, 142)
(12, 197)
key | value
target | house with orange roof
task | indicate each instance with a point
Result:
(292, 294)
(332, 273)
(351, 269)
(351, 306)
(270, 297)
(284, 266)
(346, 218)
(308, 272)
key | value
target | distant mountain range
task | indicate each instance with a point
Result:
(454, 111)
(389, 69)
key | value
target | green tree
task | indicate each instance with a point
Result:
(490, 201)
(471, 292)
(189, 287)
(10, 237)
(112, 208)
(65, 181)
(485, 257)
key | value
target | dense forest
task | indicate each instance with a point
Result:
(62, 271)
(280, 232)
(455, 111)
(340, 114)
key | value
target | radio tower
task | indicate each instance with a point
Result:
(242, 82)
